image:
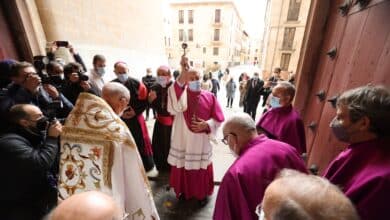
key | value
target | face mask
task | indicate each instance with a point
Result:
(162, 80)
(40, 127)
(122, 77)
(339, 130)
(57, 79)
(100, 71)
(262, 215)
(274, 102)
(194, 86)
(255, 77)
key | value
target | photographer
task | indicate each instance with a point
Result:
(28, 152)
(76, 82)
(56, 44)
(27, 88)
(55, 73)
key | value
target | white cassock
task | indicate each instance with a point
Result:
(190, 150)
(98, 152)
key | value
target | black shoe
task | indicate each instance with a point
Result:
(203, 202)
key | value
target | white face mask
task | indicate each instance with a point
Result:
(194, 86)
(274, 102)
(259, 212)
(162, 80)
(100, 71)
(123, 77)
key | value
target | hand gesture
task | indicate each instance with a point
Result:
(129, 113)
(85, 85)
(52, 47)
(184, 63)
(55, 129)
(152, 96)
(199, 125)
(71, 49)
(51, 90)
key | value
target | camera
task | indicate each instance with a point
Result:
(82, 76)
(62, 43)
(52, 109)
(40, 63)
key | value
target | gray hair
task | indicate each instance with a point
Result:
(370, 101)
(310, 197)
(113, 89)
(289, 88)
(241, 121)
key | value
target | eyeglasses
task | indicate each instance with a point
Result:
(224, 139)
(259, 212)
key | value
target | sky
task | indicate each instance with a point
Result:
(251, 12)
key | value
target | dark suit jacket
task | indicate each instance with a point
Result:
(253, 93)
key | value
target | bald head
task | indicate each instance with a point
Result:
(238, 130)
(91, 205)
(296, 195)
(116, 95)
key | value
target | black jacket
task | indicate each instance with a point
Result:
(149, 81)
(26, 163)
(253, 93)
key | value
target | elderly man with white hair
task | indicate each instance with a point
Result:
(197, 117)
(298, 196)
(106, 156)
(259, 160)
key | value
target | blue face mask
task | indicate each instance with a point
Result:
(100, 71)
(123, 77)
(162, 80)
(274, 102)
(194, 86)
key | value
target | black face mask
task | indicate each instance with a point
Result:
(42, 124)
(57, 79)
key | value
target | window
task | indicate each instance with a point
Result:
(216, 34)
(190, 35)
(191, 63)
(181, 16)
(293, 10)
(203, 64)
(181, 35)
(169, 41)
(165, 41)
(285, 61)
(215, 51)
(190, 16)
(204, 49)
(288, 38)
(217, 17)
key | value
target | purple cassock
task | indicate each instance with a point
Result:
(243, 185)
(362, 171)
(284, 124)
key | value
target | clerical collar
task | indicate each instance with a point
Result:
(180, 84)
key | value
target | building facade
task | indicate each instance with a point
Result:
(285, 22)
(213, 32)
(121, 30)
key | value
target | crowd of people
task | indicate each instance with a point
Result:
(269, 178)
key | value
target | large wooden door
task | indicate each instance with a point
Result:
(355, 51)
(7, 45)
